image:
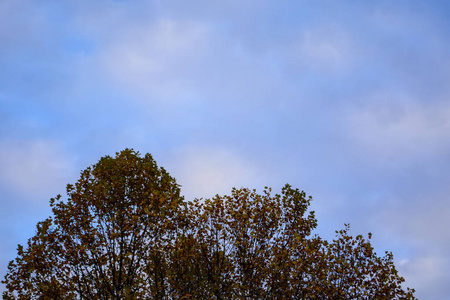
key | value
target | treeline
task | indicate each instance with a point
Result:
(124, 232)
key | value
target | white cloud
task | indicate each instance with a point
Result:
(422, 219)
(427, 273)
(167, 62)
(420, 224)
(326, 49)
(164, 56)
(394, 125)
(205, 172)
(33, 167)
(153, 58)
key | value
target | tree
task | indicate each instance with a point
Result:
(124, 232)
(108, 240)
(252, 246)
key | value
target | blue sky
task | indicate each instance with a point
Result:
(348, 101)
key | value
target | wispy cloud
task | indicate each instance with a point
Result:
(204, 172)
(393, 125)
(34, 168)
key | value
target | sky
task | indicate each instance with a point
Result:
(346, 100)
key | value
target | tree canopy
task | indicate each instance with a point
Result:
(124, 232)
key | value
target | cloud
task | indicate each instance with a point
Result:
(153, 58)
(417, 223)
(164, 56)
(427, 273)
(34, 168)
(327, 49)
(393, 125)
(168, 62)
(206, 171)
(421, 219)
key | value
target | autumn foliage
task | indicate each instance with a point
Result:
(124, 232)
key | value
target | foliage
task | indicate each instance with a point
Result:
(125, 232)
